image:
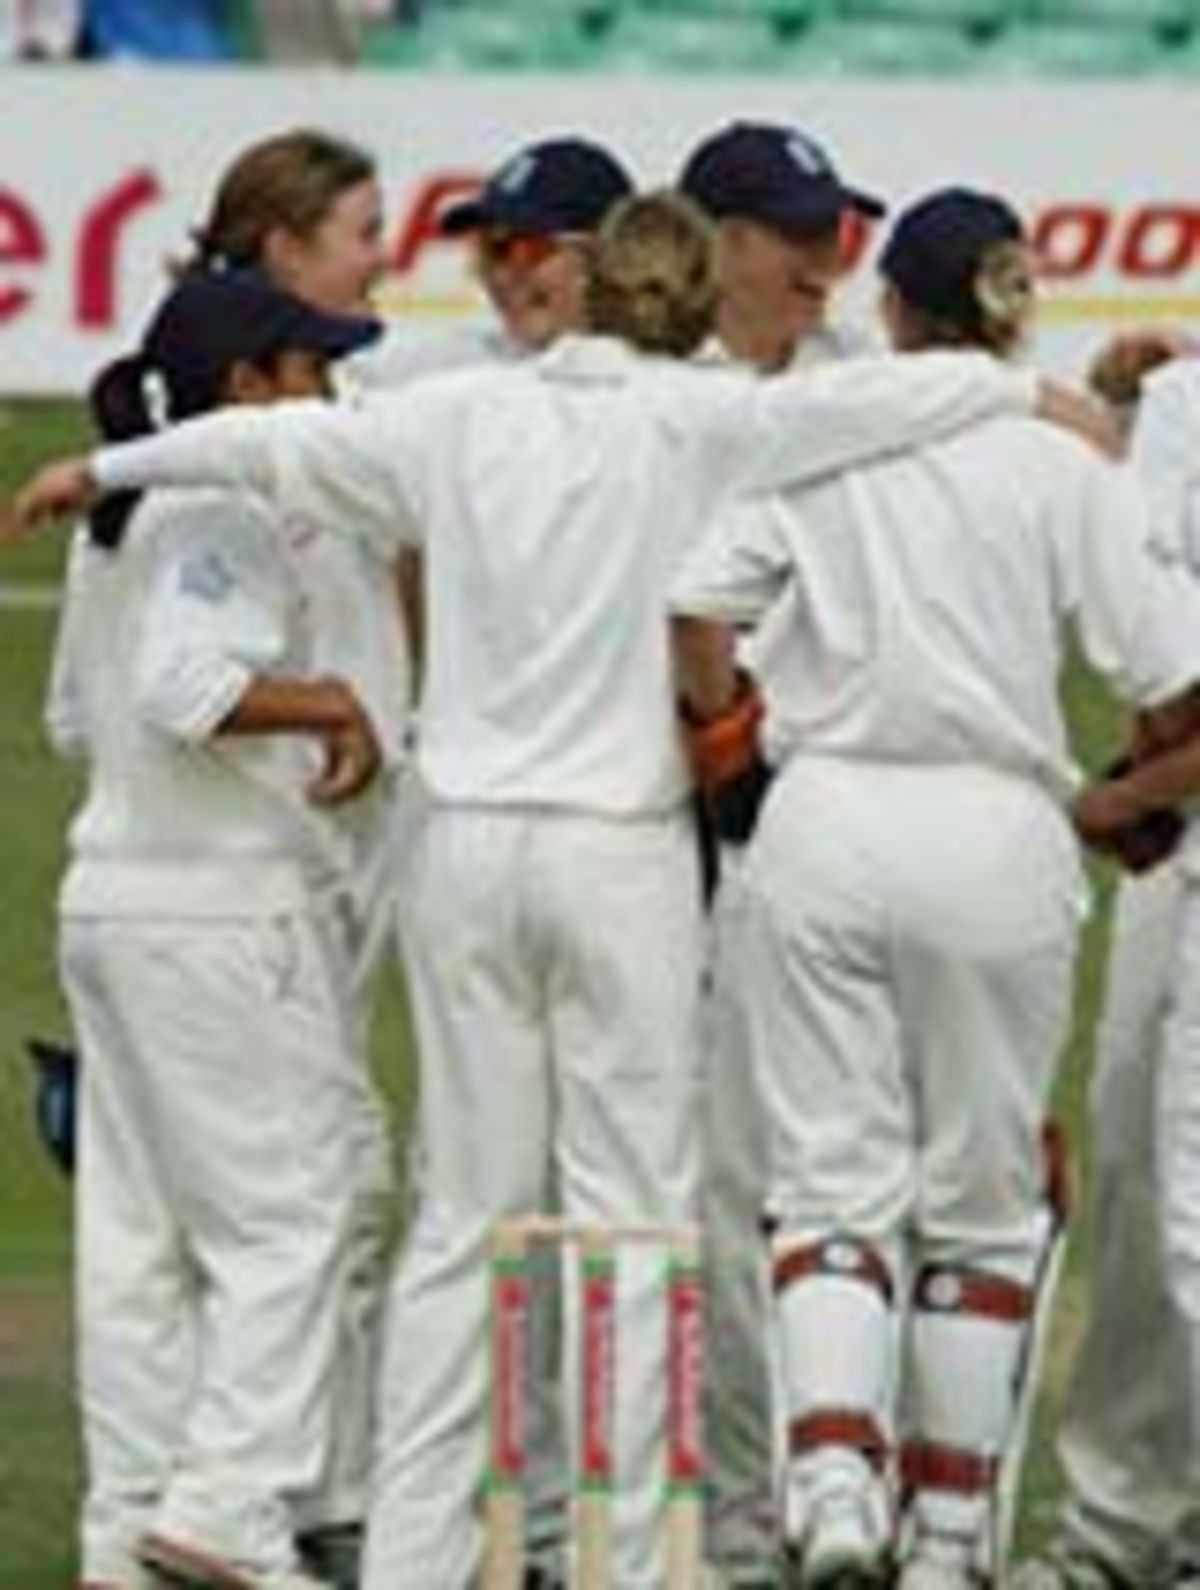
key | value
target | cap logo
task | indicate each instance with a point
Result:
(516, 174)
(807, 155)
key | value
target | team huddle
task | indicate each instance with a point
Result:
(671, 681)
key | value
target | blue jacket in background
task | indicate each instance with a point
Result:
(160, 30)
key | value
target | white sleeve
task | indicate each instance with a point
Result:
(1138, 619)
(342, 466)
(64, 713)
(215, 617)
(739, 568)
(1165, 451)
(784, 430)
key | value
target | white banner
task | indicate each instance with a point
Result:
(103, 170)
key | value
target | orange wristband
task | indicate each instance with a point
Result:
(721, 748)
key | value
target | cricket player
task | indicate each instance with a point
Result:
(205, 959)
(779, 209)
(529, 228)
(305, 207)
(914, 901)
(556, 857)
(1127, 1442)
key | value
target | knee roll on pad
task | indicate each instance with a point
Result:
(940, 1289)
(837, 1258)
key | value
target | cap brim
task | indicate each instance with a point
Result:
(498, 210)
(814, 210)
(864, 203)
(459, 218)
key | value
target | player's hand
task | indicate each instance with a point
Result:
(1101, 811)
(1110, 820)
(63, 488)
(1085, 416)
(352, 753)
(1118, 370)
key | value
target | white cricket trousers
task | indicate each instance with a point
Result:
(743, 1539)
(907, 971)
(1178, 1118)
(369, 933)
(553, 963)
(214, 1201)
(1125, 1443)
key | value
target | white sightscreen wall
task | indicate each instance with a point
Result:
(103, 169)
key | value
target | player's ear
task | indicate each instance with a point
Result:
(280, 252)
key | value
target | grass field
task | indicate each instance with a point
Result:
(38, 1457)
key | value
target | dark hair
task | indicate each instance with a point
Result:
(651, 279)
(290, 181)
(205, 327)
(130, 398)
(119, 407)
(996, 318)
(963, 270)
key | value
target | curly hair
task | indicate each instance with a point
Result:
(650, 279)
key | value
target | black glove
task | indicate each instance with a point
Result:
(1150, 839)
(55, 1099)
(734, 805)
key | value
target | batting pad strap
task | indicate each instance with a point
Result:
(930, 1466)
(939, 1290)
(844, 1427)
(845, 1258)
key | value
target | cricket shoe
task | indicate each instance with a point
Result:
(925, 1573)
(127, 1576)
(840, 1548)
(130, 1581)
(542, 1579)
(1066, 1567)
(333, 1554)
(180, 1565)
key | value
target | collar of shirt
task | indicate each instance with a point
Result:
(603, 360)
(836, 340)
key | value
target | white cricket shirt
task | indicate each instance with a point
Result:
(930, 595)
(156, 645)
(552, 500)
(1165, 451)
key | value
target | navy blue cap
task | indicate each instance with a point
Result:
(938, 244)
(213, 318)
(773, 174)
(559, 185)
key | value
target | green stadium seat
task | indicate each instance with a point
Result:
(1182, 59)
(788, 13)
(491, 37)
(1073, 49)
(391, 44)
(850, 46)
(1074, 38)
(978, 18)
(670, 41)
(1170, 14)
